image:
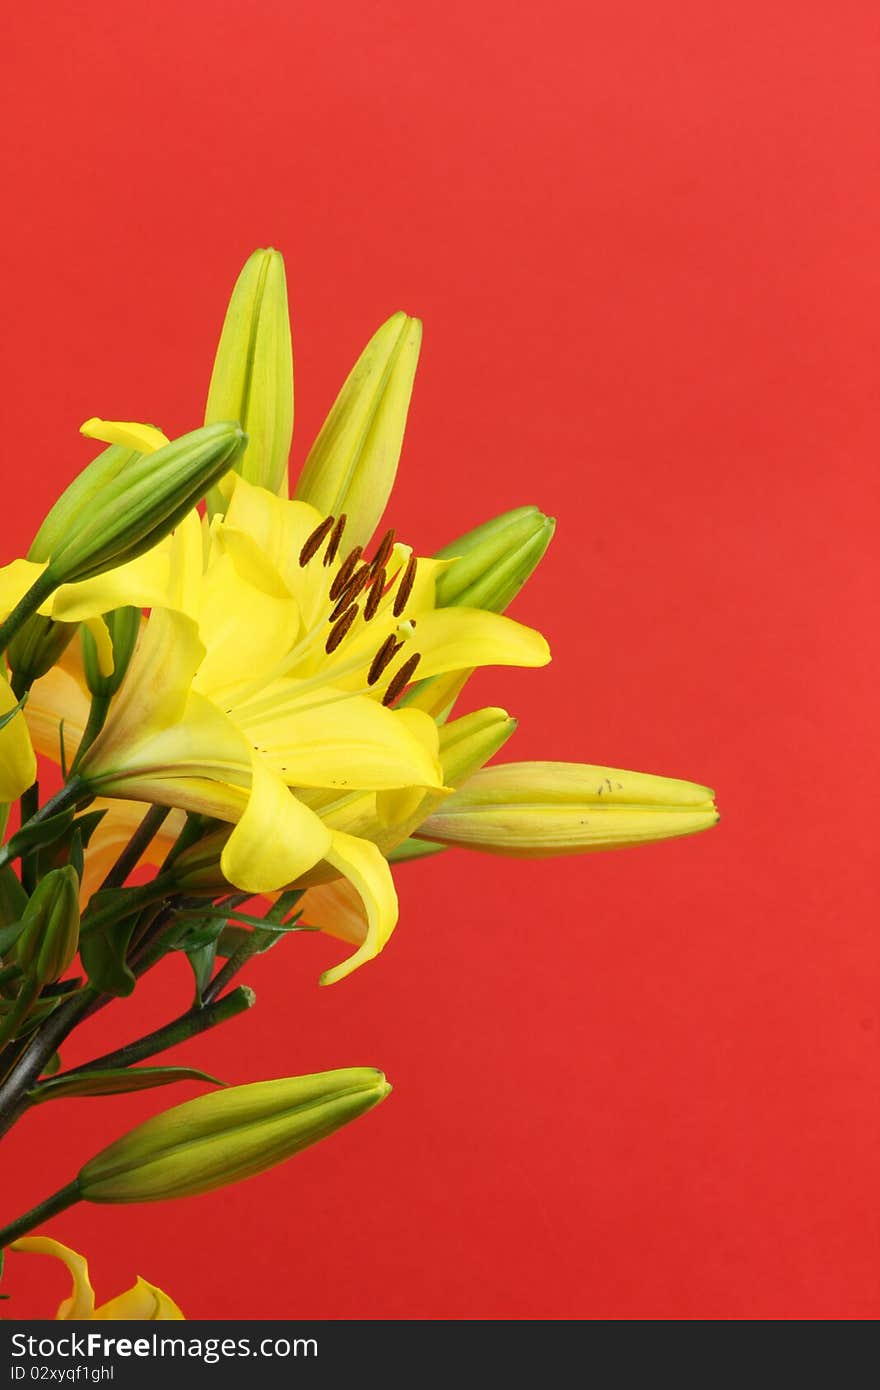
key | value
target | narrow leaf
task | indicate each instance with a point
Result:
(115, 1082)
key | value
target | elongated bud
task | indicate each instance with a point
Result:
(352, 464)
(144, 501)
(533, 810)
(467, 743)
(491, 563)
(123, 625)
(230, 1135)
(50, 937)
(197, 869)
(252, 379)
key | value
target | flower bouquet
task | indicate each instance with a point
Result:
(248, 710)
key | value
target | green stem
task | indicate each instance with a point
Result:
(30, 805)
(146, 831)
(135, 899)
(94, 724)
(193, 1022)
(26, 607)
(75, 790)
(59, 1201)
(43, 1044)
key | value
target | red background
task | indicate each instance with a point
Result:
(644, 242)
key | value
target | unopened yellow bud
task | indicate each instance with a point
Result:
(490, 564)
(252, 379)
(533, 810)
(352, 464)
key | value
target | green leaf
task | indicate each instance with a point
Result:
(53, 1065)
(202, 959)
(11, 713)
(116, 1081)
(102, 952)
(40, 834)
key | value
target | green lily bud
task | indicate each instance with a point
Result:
(229, 1135)
(142, 503)
(467, 743)
(197, 869)
(352, 464)
(37, 646)
(123, 624)
(491, 563)
(533, 810)
(78, 500)
(252, 379)
(50, 937)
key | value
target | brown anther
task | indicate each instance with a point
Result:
(345, 571)
(388, 650)
(350, 592)
(374, 597)
(386, 545)
(404, 588)
(313, 542)
(340, 628)
(335, 538)
(403, 677)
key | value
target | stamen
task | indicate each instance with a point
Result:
(313, 542)
(404, 588)
(338, 631)
(351, 591)
(335, 538)
(389, 649)
(403, 677)
(374, 597)
(359, 580)
(345, 571)
(386, 545)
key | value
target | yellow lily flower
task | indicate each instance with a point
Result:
(144, 1302)
(262, 693)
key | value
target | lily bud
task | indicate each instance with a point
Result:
(197, 868)
(467, 743)
(123, 625)
(143, 502)
(230, 1135)
(491, 563)
(50, 937)
(533, 810)
(352, 464)
(252, 379)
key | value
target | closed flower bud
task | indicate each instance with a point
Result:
(230, 1135)
(352, 464)
(50, 937)
(491, 563)
(123, 625)
(197, 869)
(252, 379)
(467, 743)
(142, 503)
(533, 810)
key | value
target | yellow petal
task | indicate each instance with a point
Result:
(343, 742)
(18, 765)
(15, 580)
(244, 629)
(368, 871)
(142, 1303)
(145, 438)
(277, 839)
(81, 1303)
(142, 583)
(59, 697)
(103, 645)
(154, 694)
(337, 908)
